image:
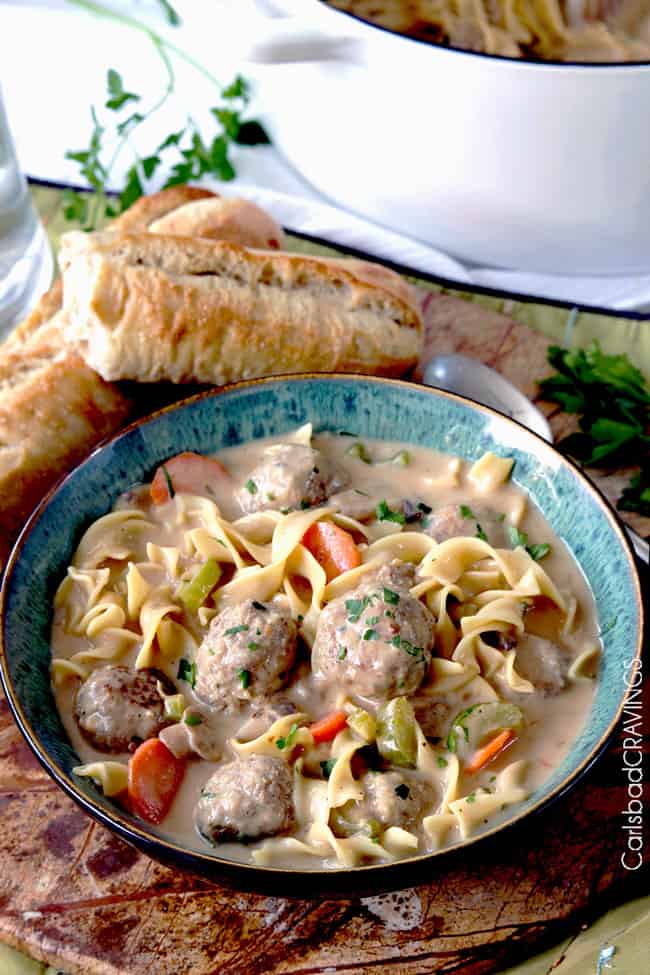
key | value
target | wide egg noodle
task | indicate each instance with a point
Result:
(267, 742)
(114, 536)
(156, 607)
(473, 809)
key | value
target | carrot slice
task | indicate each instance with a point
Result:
(329, 726)
(189, 472)
(154, 777)
(332, 547)
(490, 751)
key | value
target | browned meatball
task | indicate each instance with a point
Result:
(390, 799)
(247, 652)
(291, 476)
(376, 640)
(116, 707)
(246, 800)
(461, 520)
(542, 662)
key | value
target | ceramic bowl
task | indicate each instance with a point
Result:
(385, 409)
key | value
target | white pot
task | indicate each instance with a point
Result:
(542, 167)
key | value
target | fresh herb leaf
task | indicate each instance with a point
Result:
(371, 635)
(327, 767)
(193, 719)
(282, 743)
(170, 486)
(187, 671)
(242, 628)
(170, 13)
(471, 797)
(118, 96)
(244, 678)
(480, 533)
(384, 513)
(402, 791)
(251, 486)
(441, 762)
(355, 608)
(538, 552)
(253, 646)
(425, 508)
(342, 654)
(466, 512)
(391, 597)
(259, 606)
(612, 400)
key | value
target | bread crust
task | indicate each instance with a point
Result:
(147, 209)
(53, 410)
(149, 308)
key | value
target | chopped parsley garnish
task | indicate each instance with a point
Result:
(441, 762)
(244, 677)
(372, 620)
(251, 486)
(253, 646)
(391, 597)
(384, 513)
(342, 654)
(304, 504)
(170, 486)
(426, 509)
(300, 617)
(466, 511)
(355, 608)
(480, 533)
(260, 606)
(407, 646)
(282, 743)
(519, 539)
(471, 797)
(538, 552)
(458, 723)
(187, 671)
(193, 719)
(501, 517)
(236, 629)
(402, 791)
(327, 767)
(371, 635)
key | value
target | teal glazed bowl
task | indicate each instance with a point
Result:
(378, 408)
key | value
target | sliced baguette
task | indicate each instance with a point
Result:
(147, 307)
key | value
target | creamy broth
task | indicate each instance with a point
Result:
(98, 626)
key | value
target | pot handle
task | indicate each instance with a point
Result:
(293, 38)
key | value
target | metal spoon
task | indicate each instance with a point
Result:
(460, 374)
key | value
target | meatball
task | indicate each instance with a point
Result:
(542, 663)
(390, 798)
(247, 652)
(246, 800)
(291, 476)
(461, 520)
(376, 640)
(116, 707)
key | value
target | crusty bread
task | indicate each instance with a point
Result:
(149, 307)
(53, 410)
(188, 211)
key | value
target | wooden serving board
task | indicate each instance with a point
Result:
(75, 896)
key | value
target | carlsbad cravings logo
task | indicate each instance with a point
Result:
(632, 855)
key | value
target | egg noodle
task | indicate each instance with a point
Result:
(119, 603)
(562, 30)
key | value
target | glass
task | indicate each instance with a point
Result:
(26, 263)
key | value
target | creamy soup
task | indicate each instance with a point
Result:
(562, 30)
(322, 651)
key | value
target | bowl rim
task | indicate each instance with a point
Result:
(171, 850)
(526, 63)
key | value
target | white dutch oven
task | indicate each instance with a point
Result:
(542, 167)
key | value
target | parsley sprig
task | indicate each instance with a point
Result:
(184, 153)
(612, 400)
